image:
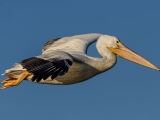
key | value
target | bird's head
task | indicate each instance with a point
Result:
(116, 47)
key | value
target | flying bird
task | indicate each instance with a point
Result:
(65, 61)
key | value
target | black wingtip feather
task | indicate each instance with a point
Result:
(42, 69)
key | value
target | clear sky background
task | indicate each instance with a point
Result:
(126, 92)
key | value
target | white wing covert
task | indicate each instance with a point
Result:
(78, 43)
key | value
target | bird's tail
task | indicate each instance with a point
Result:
(16, 70)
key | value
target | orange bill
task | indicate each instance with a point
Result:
(128, 54)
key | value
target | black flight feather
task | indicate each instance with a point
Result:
(42, 69)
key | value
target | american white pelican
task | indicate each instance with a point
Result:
(64, 61)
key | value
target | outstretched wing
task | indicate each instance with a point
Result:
(42, 69)
(78, 43)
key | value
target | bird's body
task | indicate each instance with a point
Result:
(65, 60)
(72, 48)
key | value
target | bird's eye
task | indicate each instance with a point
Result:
(117, 41)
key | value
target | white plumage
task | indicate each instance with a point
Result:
(65, 61)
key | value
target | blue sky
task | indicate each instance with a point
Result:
(126, 92)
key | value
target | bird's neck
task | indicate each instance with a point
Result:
(108, 59)
(104, 63)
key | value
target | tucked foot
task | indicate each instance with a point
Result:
(10, 82)
(7, 80)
